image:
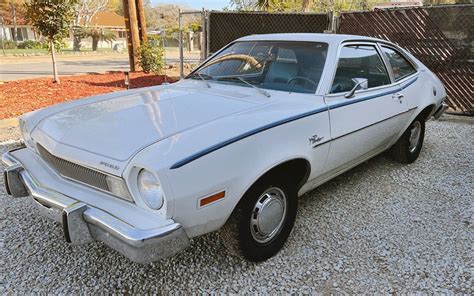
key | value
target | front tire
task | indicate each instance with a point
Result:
(408, 147)
(262, 221)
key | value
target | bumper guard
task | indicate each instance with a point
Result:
(83, 223)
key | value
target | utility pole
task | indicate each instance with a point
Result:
(141, 21)
(133, 35)
(135, 25)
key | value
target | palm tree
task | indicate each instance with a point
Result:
(97, 34)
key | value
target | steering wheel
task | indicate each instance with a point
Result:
(342, 85)
(302, 78)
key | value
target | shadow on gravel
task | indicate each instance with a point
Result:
(381, 227)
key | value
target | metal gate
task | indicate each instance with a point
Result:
(192, 43)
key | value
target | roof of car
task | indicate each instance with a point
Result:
(315, 37)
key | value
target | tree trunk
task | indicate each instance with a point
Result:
(53, 57)
(76, 43)
(95, 42)
(305, 6)
(15, 27)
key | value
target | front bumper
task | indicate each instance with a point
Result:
(83, 223)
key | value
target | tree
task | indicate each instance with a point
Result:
(270, 5)
(97, 34)
(165, 16)
(52, 18)
(116, 6)
(85, 10)
(243, 5)
(305, 5)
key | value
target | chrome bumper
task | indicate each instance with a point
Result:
(83, 223)
(440, 110)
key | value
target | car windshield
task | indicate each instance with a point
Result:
(277, 65)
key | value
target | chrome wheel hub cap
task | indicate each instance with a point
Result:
(268, 215)
(414, 136)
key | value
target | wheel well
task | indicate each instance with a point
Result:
(426, 112)
(297, 170)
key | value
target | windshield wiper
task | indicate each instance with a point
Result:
(262, 91)
(203, 77)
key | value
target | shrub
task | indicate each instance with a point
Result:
(31, 44)
(150, 58)
(8, 44)
(58, 45)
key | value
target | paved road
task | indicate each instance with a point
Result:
(16, 71)
(41, 66)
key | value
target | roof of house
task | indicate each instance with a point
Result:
(101, 19)
(108, 19)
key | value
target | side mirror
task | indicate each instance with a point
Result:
(360, 83)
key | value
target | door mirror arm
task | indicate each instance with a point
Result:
(360, 83)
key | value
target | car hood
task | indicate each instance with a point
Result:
(119, 127)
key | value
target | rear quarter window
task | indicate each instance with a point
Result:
(401, 67)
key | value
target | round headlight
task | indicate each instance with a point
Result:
(150, 189)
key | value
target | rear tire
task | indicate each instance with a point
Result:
(262, 221)
(408, 147)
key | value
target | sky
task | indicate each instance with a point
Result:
(197, 4)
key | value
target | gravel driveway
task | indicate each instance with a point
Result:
(381, 227)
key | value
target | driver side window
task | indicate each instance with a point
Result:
(359, 61)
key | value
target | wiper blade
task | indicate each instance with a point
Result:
(262, 91)
(203, 77)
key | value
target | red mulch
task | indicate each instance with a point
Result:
(18, 97)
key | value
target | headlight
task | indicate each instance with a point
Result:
(26, 135)
(150, 189)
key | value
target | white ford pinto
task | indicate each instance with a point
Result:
(232, 146)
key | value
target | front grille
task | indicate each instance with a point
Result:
(74, 171)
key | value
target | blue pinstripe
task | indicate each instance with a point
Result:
(280, 122)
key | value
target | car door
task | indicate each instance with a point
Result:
(364, 124)
(404, 72)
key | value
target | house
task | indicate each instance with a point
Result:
(7, 29)
(105, 20)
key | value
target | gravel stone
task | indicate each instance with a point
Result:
(382, 227)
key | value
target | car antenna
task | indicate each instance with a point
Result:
(202, 78)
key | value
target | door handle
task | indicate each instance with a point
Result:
(398, 97)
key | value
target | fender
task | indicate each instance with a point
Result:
(232, 169)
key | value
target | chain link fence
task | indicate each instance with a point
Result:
(225, 27)
(191, 39)
(440, 36)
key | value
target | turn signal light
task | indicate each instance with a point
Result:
(207, 200)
